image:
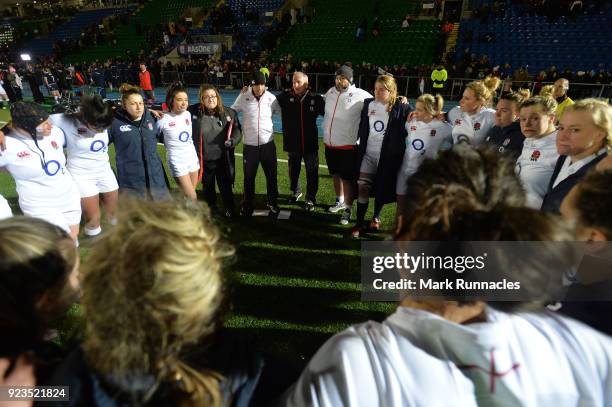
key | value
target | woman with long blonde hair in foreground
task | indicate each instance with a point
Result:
(154, 296)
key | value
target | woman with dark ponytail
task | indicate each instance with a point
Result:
(474, 352)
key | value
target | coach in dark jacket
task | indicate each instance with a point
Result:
(139, 168)
(300, 109)
(391, 153)
(216, 131)
(507, 140)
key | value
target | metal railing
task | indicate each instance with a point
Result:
(410, 86)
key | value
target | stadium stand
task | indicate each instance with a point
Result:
(71, 29)
(331, 34)
(533, 41)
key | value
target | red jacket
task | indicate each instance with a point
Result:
(145, 80)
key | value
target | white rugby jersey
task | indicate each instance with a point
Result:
(86, 150)
(454, 114)
(417, 358)
(5, 209)
(423, 141)
(257, 127)
(379, 118)
(473, 128)
(535, 167)
(177, 134)
(41, 176)
(342, 116)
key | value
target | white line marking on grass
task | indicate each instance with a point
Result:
(281, 160)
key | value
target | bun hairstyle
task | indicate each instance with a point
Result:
(128, 90)
(173, 90)
(517, 97)
(547, 91)
(484, 90)
(95, 112)
(432, 104)
(472, 194)
(154, 295)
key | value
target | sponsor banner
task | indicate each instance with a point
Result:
(198, 49)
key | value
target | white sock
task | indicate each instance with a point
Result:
(93, 232)
(340, 199)
(76, 243)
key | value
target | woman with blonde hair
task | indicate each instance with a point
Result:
(154, 294)
(506, 134)
(426, 134)
(477, 118)
(38, 283)
(584, 137)
(134, 132)
(381, 149)
(216, 132)
(536, 163)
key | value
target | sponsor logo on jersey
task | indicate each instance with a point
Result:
(433, 133)
(171, 124)
(23, 154)
(535, 155)
(82, 130)
(476, 126)
(418, 144)
(125, 127)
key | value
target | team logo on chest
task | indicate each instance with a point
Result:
(54, 144)
(457, 122)
(171, 124)
(476, 126)
(535, 155)
(413, 128)
(187, 122)
(433, 133)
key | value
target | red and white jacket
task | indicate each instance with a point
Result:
(342, 116)
(257, 128)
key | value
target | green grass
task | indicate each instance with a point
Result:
(295, 282)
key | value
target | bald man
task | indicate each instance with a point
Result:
(560, 88)
(300, 109)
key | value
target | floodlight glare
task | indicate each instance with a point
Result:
(26, 57)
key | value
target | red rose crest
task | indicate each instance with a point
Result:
(476, 126)
(413, 128)
(187, 122)
(457, 122)
(54, 144)
(535, 155)
(433, 133)
(171, 124)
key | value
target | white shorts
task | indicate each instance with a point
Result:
(183, 164)
(62, 219)
(369, 164)
(94, 184)
(2, 91)
(5, 209)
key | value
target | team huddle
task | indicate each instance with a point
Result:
(373, 145)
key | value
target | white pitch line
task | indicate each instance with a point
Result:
(280, 160)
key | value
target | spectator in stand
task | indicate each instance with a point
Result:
(560, 90)
(407, 21)
(146, 83)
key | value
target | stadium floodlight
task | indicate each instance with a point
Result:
(26, 57)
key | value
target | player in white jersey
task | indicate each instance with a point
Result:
(426, 134)
(5, 209)
(381, 149)
(3, 96)
(456, 351)
(476, 117)
(180, 151)
(87, 155)
(536, 164)
(34, 156)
